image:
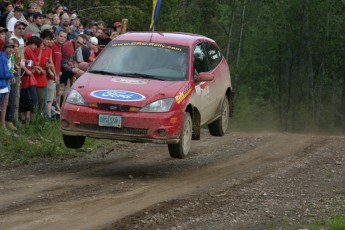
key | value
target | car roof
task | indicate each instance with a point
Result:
(177, 38)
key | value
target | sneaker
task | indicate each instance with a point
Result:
(10, 125)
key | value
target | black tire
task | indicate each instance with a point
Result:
(73, 142)
(181, 149)
(219, 126)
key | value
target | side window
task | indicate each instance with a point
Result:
(200, 59)
(213, 54)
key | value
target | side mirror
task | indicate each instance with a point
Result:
(205, 76)
(83, 66)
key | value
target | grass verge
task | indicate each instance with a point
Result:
(39, 139)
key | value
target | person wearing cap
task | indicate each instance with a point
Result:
(19, 29)
(117, 30)
(36, 26)
(75, 22)
(6, 76)
(93, 46)
(18, 13)
(19, 5)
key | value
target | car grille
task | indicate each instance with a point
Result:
(124, 130)
(114, 107)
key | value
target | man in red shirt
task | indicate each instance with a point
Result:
(60, 39)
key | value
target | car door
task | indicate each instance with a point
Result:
(220, 84)
(206, 92)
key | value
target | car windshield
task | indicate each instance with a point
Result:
(143, 60)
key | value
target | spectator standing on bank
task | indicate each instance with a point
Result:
(72, 54)
(11, 113)
(8, 7)
(46, 62)
(93, 46)
(18, 13)
(35, 27)
(5, 78)
(28, 93)
(19, 4)
(104, 38)
(44, 55)
(117, 30)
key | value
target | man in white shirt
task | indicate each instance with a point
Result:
(18, 12)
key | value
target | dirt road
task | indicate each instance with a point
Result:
(239, 181)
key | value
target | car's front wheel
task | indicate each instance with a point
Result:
(181, 149)
(73, 142)
(219, 126)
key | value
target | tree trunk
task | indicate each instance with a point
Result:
(231, 29)
(241, 33)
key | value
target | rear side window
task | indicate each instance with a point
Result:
(213, 54)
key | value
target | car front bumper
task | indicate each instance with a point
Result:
(136, 126)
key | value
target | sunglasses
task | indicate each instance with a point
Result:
(79, 43)
(21, 28)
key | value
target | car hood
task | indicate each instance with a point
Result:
(97, 88)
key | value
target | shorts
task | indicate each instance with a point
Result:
(51, 90)
(28, 99)
(2, 97)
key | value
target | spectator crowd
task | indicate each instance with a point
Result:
(40, 53)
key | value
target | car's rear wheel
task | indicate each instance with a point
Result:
(181, 149)
(73, 142)
(219, 126)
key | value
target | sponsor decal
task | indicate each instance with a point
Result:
(183, 93)
(118, 95)
(129, 81)
(202, 89)
(159, 45)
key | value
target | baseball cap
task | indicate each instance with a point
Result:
(9, 43)
(46, 26)
(74, 16)
(18, 23)
(117, 24)
(29, 35)
(94, 40)
(38, 15)
(3, 29)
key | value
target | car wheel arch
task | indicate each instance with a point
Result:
(196, 120)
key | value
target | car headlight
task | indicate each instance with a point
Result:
(75, 98)
(159, 106)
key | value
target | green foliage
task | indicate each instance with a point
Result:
(334, 223)
(39, 139)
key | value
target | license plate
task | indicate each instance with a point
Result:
(109, 120)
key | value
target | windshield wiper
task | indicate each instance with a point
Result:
(140, 75)
(101, 72)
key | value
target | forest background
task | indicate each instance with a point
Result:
(286, 56)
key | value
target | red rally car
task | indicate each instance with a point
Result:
(151, 87)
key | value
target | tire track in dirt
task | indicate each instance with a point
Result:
(76, 201)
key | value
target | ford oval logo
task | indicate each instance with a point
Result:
(118, 95)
